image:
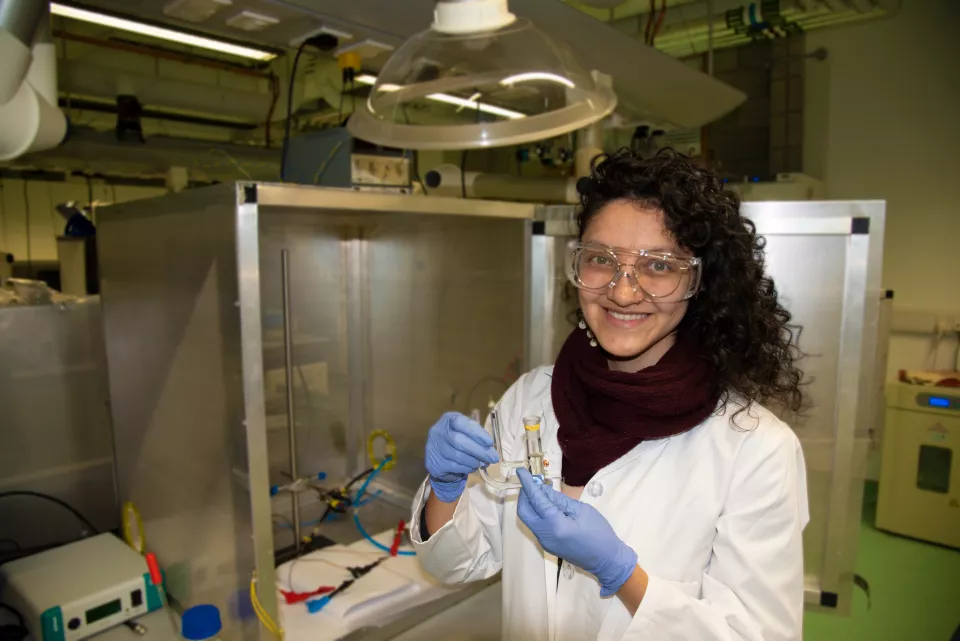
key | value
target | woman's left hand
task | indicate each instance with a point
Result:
(575, 532)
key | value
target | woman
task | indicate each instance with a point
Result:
(677, 501)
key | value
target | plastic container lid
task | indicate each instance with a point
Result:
(200, 623)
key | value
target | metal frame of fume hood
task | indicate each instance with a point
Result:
(862, 223)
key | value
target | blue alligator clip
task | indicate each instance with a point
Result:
(318, 604)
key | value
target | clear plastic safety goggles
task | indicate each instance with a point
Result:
(659, 276)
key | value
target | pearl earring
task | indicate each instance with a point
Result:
(583, 325)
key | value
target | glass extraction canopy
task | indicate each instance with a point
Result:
(504, 86)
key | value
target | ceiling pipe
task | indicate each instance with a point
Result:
(687, 28)
(163, 54)
(447, 180)
(82, 78)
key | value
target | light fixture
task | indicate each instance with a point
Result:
(161, 33)
(538, 75)
(491, 79)
(367, 79)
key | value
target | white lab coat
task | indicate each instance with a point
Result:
(715, 516)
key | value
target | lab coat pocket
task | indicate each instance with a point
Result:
(690, 588)
(618, 619)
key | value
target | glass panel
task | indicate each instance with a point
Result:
(446, 325)
(933, 469)
(441, 329)
(814, 295)
(318, 325)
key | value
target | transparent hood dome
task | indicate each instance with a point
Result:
(503, 87)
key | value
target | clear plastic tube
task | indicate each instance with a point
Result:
(534, 446)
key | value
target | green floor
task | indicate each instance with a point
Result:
(915, 590)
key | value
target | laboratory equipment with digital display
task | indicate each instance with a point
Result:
(919, 482)
(80, 589)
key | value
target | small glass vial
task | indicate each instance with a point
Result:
(534, 446)
(201, 623)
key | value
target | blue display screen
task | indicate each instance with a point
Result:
(936, 401)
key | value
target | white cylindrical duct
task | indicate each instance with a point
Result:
(16, 63)
(31, 120)
(18, 23)
(589, 146)
(446, 180)
(29, 123)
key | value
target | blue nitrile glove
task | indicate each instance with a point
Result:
(575, 532)
(456, 447)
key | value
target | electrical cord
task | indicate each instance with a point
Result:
(416, 172)
(290, 86)
(265, 619)
(353, 93)
(348, 85)
(416, 158)
(15, 612)
(275, 93)
(485, 379)
(659, 23)
(316, 181)
(359, 477)
(26, 207)
(648, 30)
(46, 497)
(16, 632)
(463, 173)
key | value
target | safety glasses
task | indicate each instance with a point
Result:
(659, 276)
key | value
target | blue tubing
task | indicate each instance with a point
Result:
(377, 544)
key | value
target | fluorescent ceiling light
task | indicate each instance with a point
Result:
(161, 33)
(367, 79)
(471, 104)
(538, 75)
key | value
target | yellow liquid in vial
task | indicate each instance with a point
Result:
(536, 464)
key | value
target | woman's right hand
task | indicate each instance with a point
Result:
(456, 447)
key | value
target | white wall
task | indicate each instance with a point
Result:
(29, 206)
(882, 120)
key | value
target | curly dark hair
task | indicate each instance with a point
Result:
(736, 318)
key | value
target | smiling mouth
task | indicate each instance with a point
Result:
(620, 316)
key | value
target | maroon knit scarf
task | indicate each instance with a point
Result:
(604, 414)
